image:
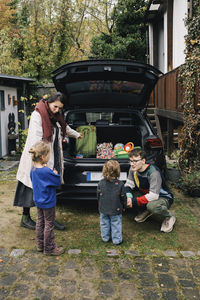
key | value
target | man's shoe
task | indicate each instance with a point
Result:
(27, 222)
(142, 216)
(58, 226)
(168, 224)
(57, 251)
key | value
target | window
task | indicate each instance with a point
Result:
(105, 86)
(2, 100)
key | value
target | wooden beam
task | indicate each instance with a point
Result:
(169, 114)
(170, 145)
(159, 128)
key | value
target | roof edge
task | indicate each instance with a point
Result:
(13, 77)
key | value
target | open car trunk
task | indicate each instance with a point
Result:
(108, 130)
(110, 134)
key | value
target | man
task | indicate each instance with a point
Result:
(154, 197)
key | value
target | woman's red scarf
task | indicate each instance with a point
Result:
(48, 119)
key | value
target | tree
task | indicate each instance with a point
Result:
(39, 36)
(6, 13)
(90, 18)
(126, 37)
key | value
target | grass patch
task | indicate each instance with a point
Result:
(8, 175)
(81, 219)
(83, 231)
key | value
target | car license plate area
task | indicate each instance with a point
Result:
(96, 176)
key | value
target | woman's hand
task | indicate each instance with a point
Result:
(80, 137)
(55, 171)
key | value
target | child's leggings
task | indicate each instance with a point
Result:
(44, 229)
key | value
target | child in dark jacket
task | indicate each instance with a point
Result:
(111, 199)
(44, 182)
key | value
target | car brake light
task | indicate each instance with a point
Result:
(155, 143)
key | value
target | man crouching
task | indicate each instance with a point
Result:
(154, 197)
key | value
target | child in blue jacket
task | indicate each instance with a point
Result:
(44, 182)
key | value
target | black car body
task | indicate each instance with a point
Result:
(113, 96)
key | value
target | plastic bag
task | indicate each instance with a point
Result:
(105, 151)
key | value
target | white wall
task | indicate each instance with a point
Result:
(4, 116)
(161, 51)
(165, 68)
(179, 31)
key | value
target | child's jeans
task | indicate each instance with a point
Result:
(111, 225)
(44, 229)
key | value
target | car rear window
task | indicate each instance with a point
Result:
(122, 87)
(102, 118)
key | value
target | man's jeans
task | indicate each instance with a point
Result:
(159, 208)
(111, 225)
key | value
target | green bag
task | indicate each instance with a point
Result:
(121, 154)
(88, 143)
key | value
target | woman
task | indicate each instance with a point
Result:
(47, 124)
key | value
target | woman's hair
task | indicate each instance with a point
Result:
(111, 170)
(56, 97)
(39, 149)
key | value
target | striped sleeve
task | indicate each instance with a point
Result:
(153, 193)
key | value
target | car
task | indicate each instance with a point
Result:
(112, 96)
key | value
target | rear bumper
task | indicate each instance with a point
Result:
(78, 192)
(77, 186)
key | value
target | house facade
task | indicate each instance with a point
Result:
(166, 51)
(167, 32)
(11, 89)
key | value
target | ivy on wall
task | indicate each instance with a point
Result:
(189, 76)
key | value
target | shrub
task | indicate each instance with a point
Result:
(22, 139)
(190, 183)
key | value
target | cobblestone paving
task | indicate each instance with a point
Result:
(74, 276)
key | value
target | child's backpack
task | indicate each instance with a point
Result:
(86, 145)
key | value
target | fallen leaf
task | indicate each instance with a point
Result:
(1, 260)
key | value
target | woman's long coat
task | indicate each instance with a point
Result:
(35, 134)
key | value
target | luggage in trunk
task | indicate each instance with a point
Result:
(87, 144)
(109, 134)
